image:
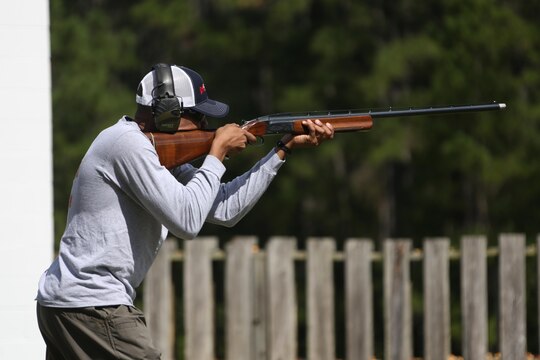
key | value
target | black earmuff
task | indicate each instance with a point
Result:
(166, 108)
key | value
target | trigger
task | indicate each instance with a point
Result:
(259, 142)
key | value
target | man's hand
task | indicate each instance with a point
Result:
(229, 140)
(317, 133)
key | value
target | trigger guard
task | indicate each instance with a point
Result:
(260, 141)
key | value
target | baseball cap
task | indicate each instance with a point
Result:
(189, 89)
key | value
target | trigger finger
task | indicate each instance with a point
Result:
(250, 137)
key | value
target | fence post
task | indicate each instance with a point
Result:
(239, 298)
(158, 300)
(397, 299)
(436, 299)
(473, 277)
(512, 296)
(199, 298)
(320, 298)
(359, 299)
(282, 315)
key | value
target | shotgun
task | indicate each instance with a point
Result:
(184, 146)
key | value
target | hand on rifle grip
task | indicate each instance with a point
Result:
(229, 140)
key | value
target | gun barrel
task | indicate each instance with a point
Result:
(437, 110)
(287, 117)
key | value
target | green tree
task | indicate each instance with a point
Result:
(90, 60)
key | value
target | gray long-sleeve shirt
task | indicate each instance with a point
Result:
(122, 204)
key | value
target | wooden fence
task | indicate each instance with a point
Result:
(261, 304)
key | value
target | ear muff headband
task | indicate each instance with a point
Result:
(166, 108)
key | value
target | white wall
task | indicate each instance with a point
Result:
(26, 220)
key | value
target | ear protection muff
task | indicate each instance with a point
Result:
(166, 108)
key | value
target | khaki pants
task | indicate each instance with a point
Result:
(97, 333)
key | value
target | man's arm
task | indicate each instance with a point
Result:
(236, 198)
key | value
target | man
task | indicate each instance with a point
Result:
(122, 205)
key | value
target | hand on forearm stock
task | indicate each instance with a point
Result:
(317, 133)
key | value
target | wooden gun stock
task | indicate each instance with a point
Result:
(181, 147)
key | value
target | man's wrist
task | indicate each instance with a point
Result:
(288, 140)
(284, 146)
(280, 145)
(218, 153)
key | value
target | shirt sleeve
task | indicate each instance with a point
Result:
(184, 173)
(182, 209)
(237, 197)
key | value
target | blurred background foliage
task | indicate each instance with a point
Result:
(443, 175)
(409, 177)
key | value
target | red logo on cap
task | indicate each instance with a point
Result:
(202, 89)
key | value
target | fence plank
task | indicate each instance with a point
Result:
(474, 297)
(158, 299)
(239, 298)
(199, 298)
(397, 299)
(359, 299)
(282, 315)
(260, 306)
(512, 296)
(320, 298)
(436, 299)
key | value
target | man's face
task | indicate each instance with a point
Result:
(192, 120)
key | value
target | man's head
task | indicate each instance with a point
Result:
(168, 93)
